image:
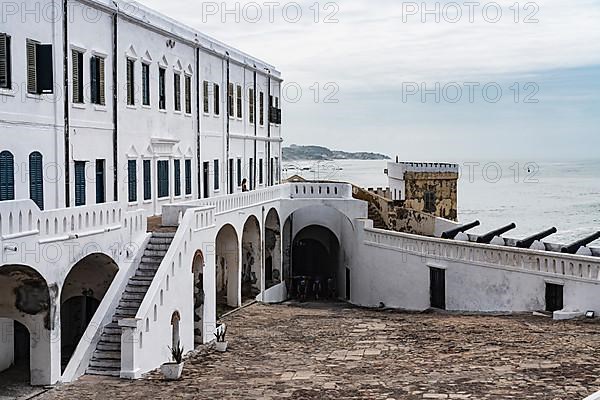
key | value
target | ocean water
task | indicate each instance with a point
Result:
(535, 196)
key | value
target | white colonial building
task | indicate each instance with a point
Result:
(112, 113)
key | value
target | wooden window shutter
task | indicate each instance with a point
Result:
(188, 94)
(31, 67)
(205, 97)
(102, 96)
(76, 76)
(130, 83)
(36, 180)
(7, 176)
(4, 61)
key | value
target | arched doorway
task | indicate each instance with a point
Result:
(251, 259)
(273, 270)
(198, 270)
(315, 263)
(27, 319)
(227, 270)
(82, 292)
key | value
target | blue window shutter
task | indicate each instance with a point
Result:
(163, 178)
(79, 183)
(188, 176)
(147, 180)
(7, 176)
(177, 167)
(132, 180)
(36, 179)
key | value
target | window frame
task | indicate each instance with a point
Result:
(146, 88)
(80, 185)
(187, 95)
(132, 195)
(216, 176)
(239, 102)
(163, 181)
(147, 178)
(261, 117)
(205, 97)
(188, 176)
(217, 99)
(177, 177)
(7, 176)
(7, 85)
(177, 91)
(98, 80)
(130, 67)
(162, 88)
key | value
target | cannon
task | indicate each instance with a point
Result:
(487, 238)
(574, 247)
(527, 242)
(451, 233)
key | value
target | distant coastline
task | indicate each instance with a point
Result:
(296, 153)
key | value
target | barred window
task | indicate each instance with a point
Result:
(251, 105)
(162, 99)
(230, 103)
(177, 91)
(145, 84)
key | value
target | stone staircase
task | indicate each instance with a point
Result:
(375, 216)
(107, 357)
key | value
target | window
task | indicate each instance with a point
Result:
(130, 82)
(276, 177)
(230, 104)
(177, 170)
(230, 173)
(7, 176)
(162, 99)
(177, 91)
(216, 174)
(36, 179)
(163, 178)
(188, 177)
(145, 84)
(77, 61)
(79, 183)
(239, 172)
(40, 75)
(271, 171)
(132, 180)
(5, 62)
(188, 94)
(147, 180)
(205, 97)
(260, 171)
(251, 173)
(261, 108)
(251, 105)
(217, 99)
(239, 101)
(97, 80)
(100, 182)
(429, 202)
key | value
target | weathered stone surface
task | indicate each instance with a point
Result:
(338, 352)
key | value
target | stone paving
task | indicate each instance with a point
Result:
(332, 351)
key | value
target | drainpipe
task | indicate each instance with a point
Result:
(198, 119)
(115, 105)
(66, 101)
(262, 255)
(227, 172)
(269, 177)
(253, 172)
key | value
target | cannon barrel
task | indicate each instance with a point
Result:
(527, 242)
(574, 247)
(451, 233)
(487, 238)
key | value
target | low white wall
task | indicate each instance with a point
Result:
(399, 277)
(7, 337)
(275, 294)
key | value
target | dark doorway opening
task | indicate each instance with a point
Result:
(554, 297)
(437, 281)
(315, 262)
(76, 314)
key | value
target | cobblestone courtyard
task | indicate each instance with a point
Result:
(330, 351)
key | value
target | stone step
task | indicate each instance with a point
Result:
(133, 304)
(108, 346)
(149, 273)
(163, 234)
(155, 253)
(157, 240)
(133, 296)
(112, 329)
(152, 260)
(110, 364)
(107, 355)
(148, 266)
(157, 247)
(104, 372)
(110, 338)
(138, 289)
(140, 280)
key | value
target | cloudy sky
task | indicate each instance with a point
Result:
(427, 81)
